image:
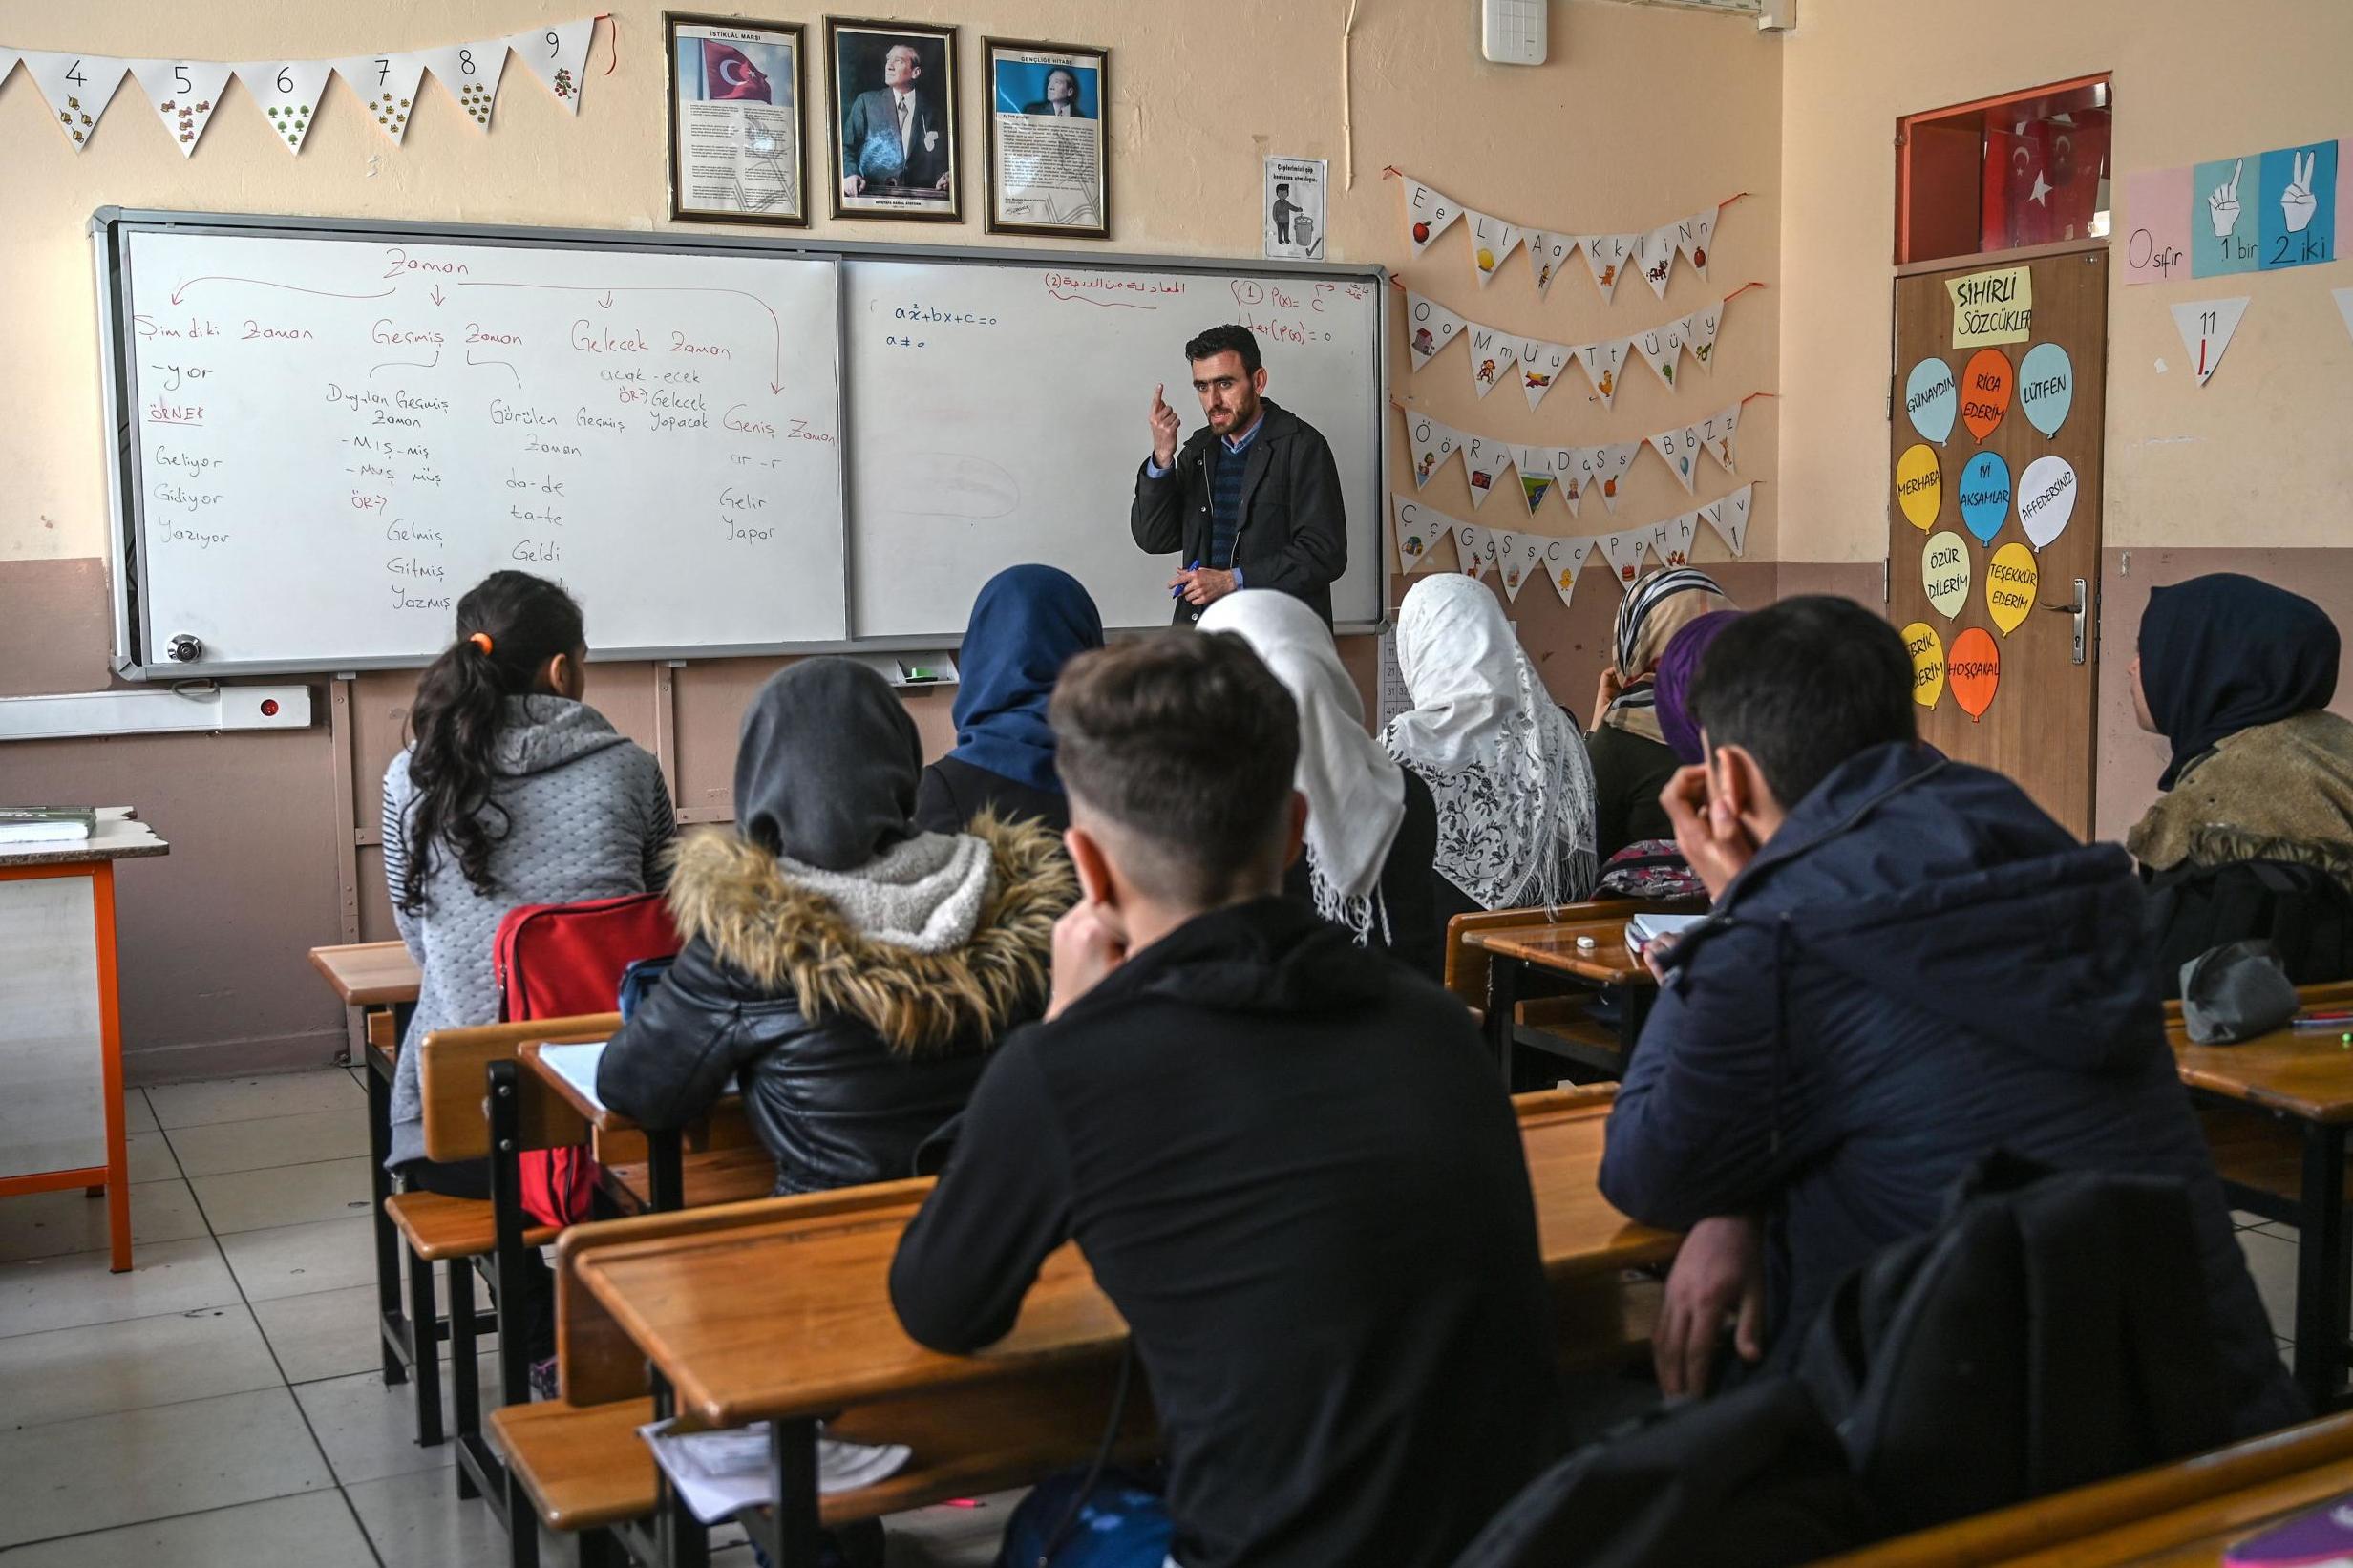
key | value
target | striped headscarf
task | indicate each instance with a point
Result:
(1655, 610)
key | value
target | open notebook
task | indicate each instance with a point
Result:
(577, 1066)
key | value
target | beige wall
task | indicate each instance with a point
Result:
(1642, 116)
(2258, 455)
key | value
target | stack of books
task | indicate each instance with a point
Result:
(22, 827)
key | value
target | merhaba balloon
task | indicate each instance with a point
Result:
(1944, 571)
(2010, 581)
(2045, 387)
(1931, 399)
(1986, 387)
(1973, 670)
(1984, 495)
(2045, 498)
(1927, 650)
(1920, 485)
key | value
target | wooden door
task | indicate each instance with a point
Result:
(1959, 505)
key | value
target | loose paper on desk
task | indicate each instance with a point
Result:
(577, 1066)
(720, 1474)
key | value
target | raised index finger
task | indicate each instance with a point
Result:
(2238, 169)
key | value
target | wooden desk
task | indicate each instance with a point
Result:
(369, 974)
(2307, 1079)
(724, 1126)
(61, 1019)
(1543, 958)
(787, 1321)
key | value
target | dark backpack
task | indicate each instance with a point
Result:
(2302, 911)
(2052, 1331)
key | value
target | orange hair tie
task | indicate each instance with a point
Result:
(480, 640)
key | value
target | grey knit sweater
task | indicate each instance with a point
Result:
(588, 816)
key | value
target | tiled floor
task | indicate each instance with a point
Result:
(221, 1404)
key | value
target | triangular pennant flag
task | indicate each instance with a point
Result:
(557, 55)
(1492, 240)
(2206, 328)
(79, 87)
(1433, 444)
(386, 87)
(1491, 355)
(8, 62)
(1716, 434)
(1417, 531)
(1540, 365)
(1484, 461)
(1430, 326)
(1673, 538)
(471, 73)
(1655, 256)
(1624, 551)
(1474, 548)
(2343, 296)
(1699, 331)
(1693, 236)
(1660, 348)
(1681, 447)
(1604, 363)
(1572, 472)
(1608, 254)
(1535, 474)
(1429, 213)
(1609, 466)
(1516, 555)
(184, 93)
(1546, 252)
(1564, 562)
(287, 94)
(1730, 516)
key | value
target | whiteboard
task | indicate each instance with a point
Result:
(1000, 414)
(335, 439)
(329, 429)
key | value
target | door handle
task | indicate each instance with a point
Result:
(2077, 610)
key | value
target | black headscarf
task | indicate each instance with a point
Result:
(826, 767)
(2224, 653)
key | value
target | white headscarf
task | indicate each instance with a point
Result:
(1513, 786)
(1356, 794)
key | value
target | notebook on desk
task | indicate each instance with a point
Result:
(1642, 930)
(47, 824)
(577, 1066)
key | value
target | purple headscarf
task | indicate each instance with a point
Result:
(1677, 667)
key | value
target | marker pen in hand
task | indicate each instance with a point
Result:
(1178, 590)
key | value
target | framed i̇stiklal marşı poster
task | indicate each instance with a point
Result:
(736, 155)
(1049, 166)
(891, 103)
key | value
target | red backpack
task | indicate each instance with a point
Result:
(560, 961)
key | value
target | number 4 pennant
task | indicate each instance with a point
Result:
(471, 73)
(387, 86)
(79, 87)
(557, 55)
(184, 93)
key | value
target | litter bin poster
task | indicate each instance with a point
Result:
(1293, 208)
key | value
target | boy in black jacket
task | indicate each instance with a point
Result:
(1286, 1158)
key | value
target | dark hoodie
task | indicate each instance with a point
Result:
(1292, 1169)
(1919, 968)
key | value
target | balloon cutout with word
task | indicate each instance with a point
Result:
(1985, 387)
(1932, 400)
(2047, 387)
(1944, 572)
(1973, 670)
(1920, 485)
(2010, 581)
(1985, 495)
(2045, 498)
(1927, 650)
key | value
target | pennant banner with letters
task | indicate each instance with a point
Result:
(1429, 212)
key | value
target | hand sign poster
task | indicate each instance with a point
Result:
(2257, 212)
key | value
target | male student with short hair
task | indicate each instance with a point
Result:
(1286, 1157)
(1908, 967)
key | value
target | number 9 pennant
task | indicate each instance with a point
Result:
(558, 56)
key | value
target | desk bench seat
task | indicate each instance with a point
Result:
(586, 1467)
(438, 1228)
(734, 1174)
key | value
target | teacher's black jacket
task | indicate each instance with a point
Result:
(1294, 1172)
(1293, 535)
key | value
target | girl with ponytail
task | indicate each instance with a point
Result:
(512, 791)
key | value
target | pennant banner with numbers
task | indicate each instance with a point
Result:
(185, 94)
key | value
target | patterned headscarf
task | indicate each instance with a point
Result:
(1655, 610)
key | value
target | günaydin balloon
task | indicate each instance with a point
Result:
(1931, 399)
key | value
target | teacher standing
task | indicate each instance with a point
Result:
(1251, 500)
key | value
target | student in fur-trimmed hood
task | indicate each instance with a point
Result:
(851, 967)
